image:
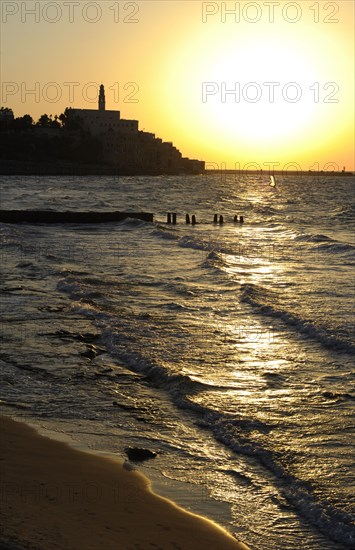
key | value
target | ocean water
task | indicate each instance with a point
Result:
(226, 349)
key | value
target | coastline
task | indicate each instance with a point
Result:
(54, 496)
(42, 169)
(71, 169)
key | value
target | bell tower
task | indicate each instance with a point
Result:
(102, 100)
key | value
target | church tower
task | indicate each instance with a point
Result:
(102, 100)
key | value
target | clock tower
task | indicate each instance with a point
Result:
(102, 100)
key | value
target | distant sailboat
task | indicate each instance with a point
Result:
(272, 181)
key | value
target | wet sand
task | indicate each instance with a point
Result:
(56, 497)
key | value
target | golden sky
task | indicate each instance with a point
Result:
(268, 82)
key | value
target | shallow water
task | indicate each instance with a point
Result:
(228, 349)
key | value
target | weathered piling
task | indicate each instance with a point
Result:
(193, 219)
(174, 218)
(187, 218)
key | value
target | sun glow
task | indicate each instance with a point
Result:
(260, 105)
(256, 91)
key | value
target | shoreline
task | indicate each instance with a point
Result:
(67, 169)
(67, 499)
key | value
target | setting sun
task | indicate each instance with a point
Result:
(260, 91)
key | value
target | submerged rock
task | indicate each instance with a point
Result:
(92, 351)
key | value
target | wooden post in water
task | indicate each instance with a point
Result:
(193, 219)
(221, 220)
(187, 218)
(169, 218)
(215, 218)
(241, 219)
(174, 218)
(235, 219)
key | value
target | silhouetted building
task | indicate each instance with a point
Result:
(127, 148)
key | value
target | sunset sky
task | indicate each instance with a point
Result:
(288, 67)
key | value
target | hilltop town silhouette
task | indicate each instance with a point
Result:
(86, 141)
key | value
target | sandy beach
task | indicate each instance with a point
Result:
(56, 497)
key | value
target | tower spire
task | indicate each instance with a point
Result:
(102, 100)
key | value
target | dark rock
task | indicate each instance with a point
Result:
(122, 406)
(137, 454)
(92, 351)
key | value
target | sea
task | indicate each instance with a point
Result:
(227, 349)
